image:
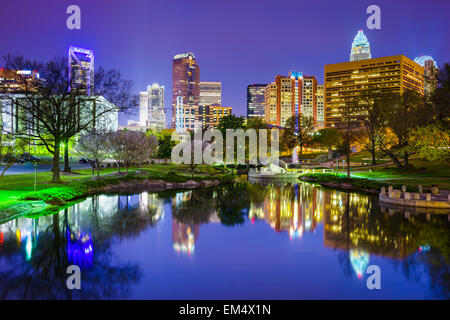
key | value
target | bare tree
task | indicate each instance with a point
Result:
(93, 144)
(374, 105)
(143, 146)
(52, 109)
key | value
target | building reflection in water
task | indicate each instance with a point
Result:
(183, 235)
(23, 233)
(294, 208)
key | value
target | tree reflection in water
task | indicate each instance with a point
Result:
(82, 235)
(36, 252)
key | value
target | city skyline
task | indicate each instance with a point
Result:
(232, 45)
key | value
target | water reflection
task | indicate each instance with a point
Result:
(35, 252)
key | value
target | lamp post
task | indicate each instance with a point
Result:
(35, 174)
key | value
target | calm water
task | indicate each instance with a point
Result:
(246, 241)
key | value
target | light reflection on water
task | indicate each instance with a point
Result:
(275, 241)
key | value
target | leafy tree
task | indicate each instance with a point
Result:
(230, 122)
(327, 138)
(441, 96)
(432, 142)
(165, 145)
(298, 131)
(145, 146)
(404, 115)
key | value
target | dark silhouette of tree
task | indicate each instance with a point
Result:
(52, 109)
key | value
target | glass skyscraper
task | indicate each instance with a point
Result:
(255, 100)
(360, 47)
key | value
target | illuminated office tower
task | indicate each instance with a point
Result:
(210, 93)
(320, 123)
(360, 47)
(270, 104)
(151, 104)
(185, 83)
(255, 100)
(81, 69)
(345, 81)
(289, 96)
(211, 115)
(429, 73)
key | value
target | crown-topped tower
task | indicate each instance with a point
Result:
(360, 47)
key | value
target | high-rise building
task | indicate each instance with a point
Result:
(289, 96)
(345, 81)
(185, 84)
(81, 69)
(255, 100)
(152, 113)
(210, 115)
(430, 72)
(360, 47)
(320, 122)
(16, 81)
(210, 93)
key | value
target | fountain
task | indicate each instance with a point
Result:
(295, 155)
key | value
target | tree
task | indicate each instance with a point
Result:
(327, 138)
(298, 131)
(165, 145)
(144, 146)
(93, 144)
(349, 129)
(405, 113)
(374, 105)
(119, 144)
(432, 142)
(53, 108)
(230, 122)
(441, 96)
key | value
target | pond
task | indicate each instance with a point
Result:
(240, 241)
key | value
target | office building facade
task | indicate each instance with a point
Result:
(151, 104)
(345, 81)
(255, 100)
(81, 69)
(210, 93)
(185, 86)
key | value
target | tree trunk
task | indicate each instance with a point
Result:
(66, 156)
(118, 166)
(56, 178)
(348, 163)
(374, 160)
(98, 168)
(93, 168)
(140, 167)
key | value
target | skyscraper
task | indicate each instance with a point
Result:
(320, 123)
(430, 72)
(345, 81)
(185, 84)
(255, 100)
(81, 69)
(290, 96)
(151, 103)
(360, 47)
(210, 93)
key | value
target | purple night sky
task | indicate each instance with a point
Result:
(235, 42)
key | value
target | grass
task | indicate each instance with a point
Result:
(19, 188)
(424, 173)
(361, 184)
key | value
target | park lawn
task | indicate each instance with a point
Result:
(424, 173)
(15, 188)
